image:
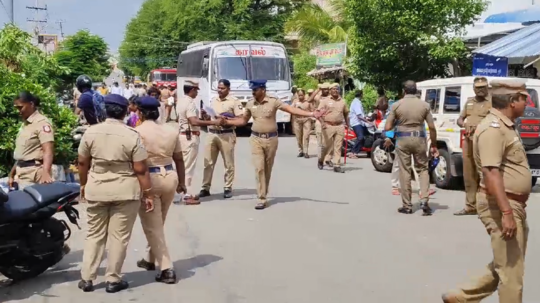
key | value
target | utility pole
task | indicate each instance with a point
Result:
(38, 23)
(12, 12)
(60, 22)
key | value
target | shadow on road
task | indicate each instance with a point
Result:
(271, 201)
(184, 269)
(37, 286)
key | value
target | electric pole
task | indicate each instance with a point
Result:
(38, 23)
(60, 22)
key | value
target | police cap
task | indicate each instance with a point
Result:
(309, 91)
(254, 84)
(508, 87)
(334, 85)
(192, 83)
(116, 100)
(148, 102)
(480, 82)
(325, 85)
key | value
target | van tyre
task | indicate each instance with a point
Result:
(441, 175)
(380, 158)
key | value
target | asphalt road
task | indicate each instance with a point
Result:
(327, 237)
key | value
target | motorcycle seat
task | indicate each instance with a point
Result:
(46, 194)
(19, 204)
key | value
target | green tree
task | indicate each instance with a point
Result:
(164, 28)
(396, 40)
(25, 67)
(83, 53)
(304, 63)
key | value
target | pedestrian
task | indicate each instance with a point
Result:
(163, 146)
(221, 140)
(302, 125)
(86, 106)
(114, 178)
(34, 145)
(335, 120)
(475, 109)
(128, 91)
(133, 118)
(322, 92)
(104, 90)
(189, 125)
(358, 122)
(294, 99)
(76, 96)
(382, 101)
(116, 89)
(264, 135)
(309, 93)
(408, 115)
(165, 94)
(505, 186)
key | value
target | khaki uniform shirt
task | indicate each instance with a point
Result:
(264, 114)
(35, 131)
(412, 113)
(165, 94)
(475, 111)
(337, 110)
(502, 148)
(228, 105)
(113, 147)
(185, 109)
(307, 106)
(160, 142)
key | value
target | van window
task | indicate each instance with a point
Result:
(533, 100)
(433, 97)
(452, 100)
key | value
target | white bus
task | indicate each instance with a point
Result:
(238, 62)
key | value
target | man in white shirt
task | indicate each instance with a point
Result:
(116, 89)
(358, 122)
(128, 91)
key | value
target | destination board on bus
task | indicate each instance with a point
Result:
(253, 51)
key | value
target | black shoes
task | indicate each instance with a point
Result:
(320, 165)
(113, 287)
(338, 170)
(146, 265)
(167, 276)
(86, 286)
(426, 209)
(405, 210)
(227, 193)
(330, 163)
(300, 155)
(204, 193)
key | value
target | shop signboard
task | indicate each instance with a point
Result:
(331, 54)
(489, 66)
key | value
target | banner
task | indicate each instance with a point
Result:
(484, 65)
(331, 54)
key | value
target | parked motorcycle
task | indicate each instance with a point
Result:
(350, 138)
(31, 240)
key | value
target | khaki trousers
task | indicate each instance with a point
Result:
(395, 175)
(108, 223)
(263, 152)
(219, 144)
(27, 176)
(320, 142)
(190, 150)
(470, 175)
(164, 185)
(302, 130)
(333, 140)
(505, 273)
(406, 149)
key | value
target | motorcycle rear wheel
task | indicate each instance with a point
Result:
(31, 268)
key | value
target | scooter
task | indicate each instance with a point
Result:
(369, 136)
(31, 240)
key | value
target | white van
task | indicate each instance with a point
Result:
(446, 98)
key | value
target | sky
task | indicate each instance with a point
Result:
(108, 18)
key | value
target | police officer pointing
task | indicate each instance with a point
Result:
(222, 139)
(471, 115)
(505, 185)
(411, 112)
(264, 135)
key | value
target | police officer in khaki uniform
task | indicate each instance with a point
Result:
(302, 125)
(221, 140)
(322, 92)
(34, 146)
(189, 124)
(411, 112)
(163, 146)
(505, 185)
(476, 109)
(113, 175)
(264, 135)
(165, 94)
(336, 118)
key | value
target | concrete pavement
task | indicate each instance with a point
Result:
(327, 237)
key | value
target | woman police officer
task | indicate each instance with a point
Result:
(113, 174)
(34, 146)
(162, 143)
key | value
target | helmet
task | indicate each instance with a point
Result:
(83, 81)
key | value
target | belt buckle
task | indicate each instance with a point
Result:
(264, 136)
(416, 133)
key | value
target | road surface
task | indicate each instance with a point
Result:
(327, 237)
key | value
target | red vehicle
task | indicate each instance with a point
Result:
(369, 136)
(162, 77)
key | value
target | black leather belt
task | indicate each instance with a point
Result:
(157, 169)
(418, 134)
(264, 135)
(28, 163)
(218, 132)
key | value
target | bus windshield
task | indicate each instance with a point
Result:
(268, 68)
(158, 76)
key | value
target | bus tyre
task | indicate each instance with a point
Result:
(441, 174)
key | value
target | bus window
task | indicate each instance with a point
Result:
(269, 68)
(232, 68)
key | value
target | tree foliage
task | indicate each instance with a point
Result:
(83, 53)
(25, 67)
(304, 63)
(396, 40)
(164, 28)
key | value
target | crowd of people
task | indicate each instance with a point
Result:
(127, 172)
